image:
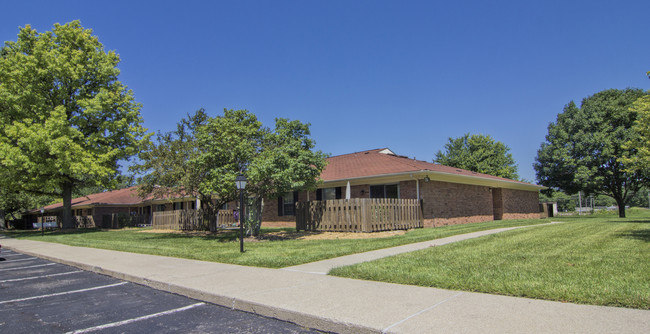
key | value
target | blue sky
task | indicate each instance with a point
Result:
(367, 74)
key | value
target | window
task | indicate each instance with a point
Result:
(161, 207)
(178, 205)
(326, 194)
(329, 193)
(287, 204)
(384, 191)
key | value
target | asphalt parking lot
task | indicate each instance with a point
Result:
(40, 296)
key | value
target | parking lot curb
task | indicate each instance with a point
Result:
(298, 318)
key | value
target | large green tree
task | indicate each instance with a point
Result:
(167, 166)
(478, 153)
(205, 154)
(65, 119)
(639, 144)
(584, 148)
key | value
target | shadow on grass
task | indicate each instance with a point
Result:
(271, 235)
(221, 236)
(33, 233)
(624, 220)
(268, 234)
(643, 235)
(605, 219)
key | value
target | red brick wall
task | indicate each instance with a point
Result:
(520, 204)
(408, 190)
(452, 203)
(362, 191)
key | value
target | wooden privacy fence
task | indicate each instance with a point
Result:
(359, 215)
(226, 218)
(83, 221)
(191, 220)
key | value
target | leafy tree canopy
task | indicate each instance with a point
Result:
(14, 204)
(584, 148)
(167, 166)
(639, 144)
(205, 154)
(65, 119)
(478, 153)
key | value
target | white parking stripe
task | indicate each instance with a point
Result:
(37, 277)
(63, 293)
(125, 322)
(20, 260)
(27, 267)
(3, 254)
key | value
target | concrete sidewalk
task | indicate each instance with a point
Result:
(343, 305)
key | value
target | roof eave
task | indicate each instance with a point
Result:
(437, 176)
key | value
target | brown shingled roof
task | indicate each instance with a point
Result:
(126, 196)
(383, 162)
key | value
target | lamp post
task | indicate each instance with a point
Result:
(42, 222)
(240, 182)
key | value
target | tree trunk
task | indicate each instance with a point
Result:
(258, 218)
(254, 207)
(3, 223)
(67, 206)
(621, 207)
(210, 212)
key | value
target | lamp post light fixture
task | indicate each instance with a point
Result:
(240, 183)
(42, 222)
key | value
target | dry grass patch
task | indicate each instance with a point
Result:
(284, 235)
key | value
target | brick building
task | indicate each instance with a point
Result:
(92, 210)
(448, 195)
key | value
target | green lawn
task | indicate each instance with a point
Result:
(225, 247)
(600, 260)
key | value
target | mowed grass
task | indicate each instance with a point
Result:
(224, 247)
(600, 260)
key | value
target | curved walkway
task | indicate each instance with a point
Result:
(324, 266)
(339, 304)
